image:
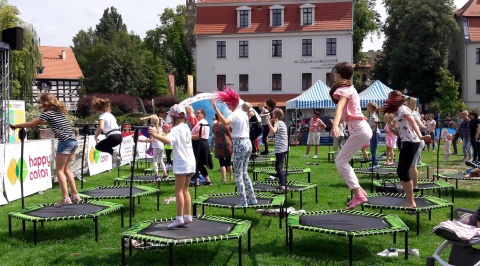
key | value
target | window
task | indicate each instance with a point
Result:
(243, 48)
(307, 14)
(243, 16)
(478, 55)
(331, 46)
(277, 48)
(306, 47)
(243, 80)
(478, 87)
(276, 15)
(276, 82)
(221, 49)
(221, 82)
(306, 81)
(328, 80)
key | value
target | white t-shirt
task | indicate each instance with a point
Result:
(404, 128)
(156, 144)
(183, 157)
(109, 123)
(239, 124)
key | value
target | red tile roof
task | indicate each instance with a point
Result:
(255, 99)
(222, 19)
(470, 9)
(474, 26)
(57, 67)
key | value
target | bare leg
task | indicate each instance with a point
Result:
(316, 149)
(307, 150)
(413, 171)
(223, 171)
(408, 188)
(230, 172)
(187, 200)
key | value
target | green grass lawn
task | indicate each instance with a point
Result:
(72, 242)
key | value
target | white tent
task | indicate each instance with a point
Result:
(316, 97)
(377, 93)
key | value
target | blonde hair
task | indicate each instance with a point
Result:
(278, 113)
(389, 116)
(49, 102)
(101, 104)
(412, 103)
(155, 121)
(373, 106)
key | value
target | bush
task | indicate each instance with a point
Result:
(120, 104)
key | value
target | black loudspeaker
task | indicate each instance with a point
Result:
(14, 38)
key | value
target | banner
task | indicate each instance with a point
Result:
(36, 172)
(190, 85)
(126, 150)
(98, 161)
(171, 82)
(3, 200)
(16, 112)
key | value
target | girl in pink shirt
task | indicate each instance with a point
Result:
(348, 110)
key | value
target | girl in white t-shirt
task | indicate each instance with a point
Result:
(183, 162)
(157, 147)
(108, 125)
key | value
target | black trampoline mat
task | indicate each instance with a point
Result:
(142, 178)
(68, 210)
(234, 201)
(344, 222)
(197, 229)
(430, 185)
(385, 171)
(266, 187)
(120, 191)
(397, 202)
(459, 176)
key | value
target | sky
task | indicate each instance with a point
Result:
(58, 21)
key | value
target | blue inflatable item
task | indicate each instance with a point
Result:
(144, 132)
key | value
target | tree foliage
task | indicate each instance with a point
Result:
(365, 21)
(23, 62)
(417, 35)
(447, 87)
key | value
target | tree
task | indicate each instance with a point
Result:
(448, 89)
(417, 35)
(23, 62)
(171, 42)
(365, 21)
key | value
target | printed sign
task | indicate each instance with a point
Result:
(98, 161)
(16, 115)
(34, 169)
(126, 150)
(3, 200)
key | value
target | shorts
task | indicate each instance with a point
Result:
(67, 146)
(225, 161)
(313, 138)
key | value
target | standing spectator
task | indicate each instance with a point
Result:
(338, 141)
(281, 144)
(437, 118)
(168, 147)
(161, 116)
(191, 118)
(315, 127)
(265, 115)
(222, 138)
(255, 126)
(390, 139)
(270, 105)
(431, 127)
(201, 149)
(456, 136)
(372, 108)
(474, 133)
(464, 133)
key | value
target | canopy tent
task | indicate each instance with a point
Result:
(316, 97)
(377, 93)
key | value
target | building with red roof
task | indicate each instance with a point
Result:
(59, 74)
(270, 48)
(465, 52)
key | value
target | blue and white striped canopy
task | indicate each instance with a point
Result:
(316, 97)
(377, 93)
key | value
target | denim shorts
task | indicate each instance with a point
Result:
(67, 146)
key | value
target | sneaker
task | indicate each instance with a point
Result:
(305, 156)
(316, 163)
(389, 252)
(164, 177)
(374, 167)
(471, 164)
(411, 251)
(252, 202)
(242, 205)
(271, 178)
(315, 157)
(264, 153)
(357, 200)
(455, 153)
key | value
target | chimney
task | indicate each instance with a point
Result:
(64, 55)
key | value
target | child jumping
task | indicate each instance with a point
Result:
(390, 139)
(446, 147)
(183, 162)
(108, 125)
(157, 147)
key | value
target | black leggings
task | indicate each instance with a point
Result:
(407, 154)
(168, 154)
(279, 159)
(266, 131)
(225, 161)
(107, 144)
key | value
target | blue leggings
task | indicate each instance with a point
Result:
(279, 159)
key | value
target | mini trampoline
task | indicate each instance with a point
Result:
(292, 186)
(347, 223)
(420, 165)
(360, 160)
(202, 229)
(376, 172)
(392, 201)
(265, 159)
(232, 200)
(456, 176)
(140, 179)
(76, 211)
(288, 171)
(423, 184)
(119, 192)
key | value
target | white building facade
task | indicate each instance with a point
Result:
(270, 49)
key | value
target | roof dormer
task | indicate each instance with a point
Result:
(307, 14)
(244, 17)
(276, 15)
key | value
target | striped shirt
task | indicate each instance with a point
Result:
(281, 137)
(59, 124)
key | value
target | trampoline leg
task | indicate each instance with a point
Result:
(249, 239)
(456, 183)
(158, 200)
(35, 232)
(453, 198)
(95, 220)
(418, 224)
(395, 238)
(130, 249)
(121, 216)
(41, 224)
(233, 213)
(240, 251)
(138, 200)
(194, 209)
(301, 199)
(123, 250)
(350, 248)
(406, 245)
(9, 224)
(308, 177)
(23, 225)
(291, 195)
(316, 195)
(381, 210)
(170, 254)
(280, 217)
(429, 215)
(290, 237)
(451, 213)
(133, 207)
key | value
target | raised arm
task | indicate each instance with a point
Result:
(221, 118)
